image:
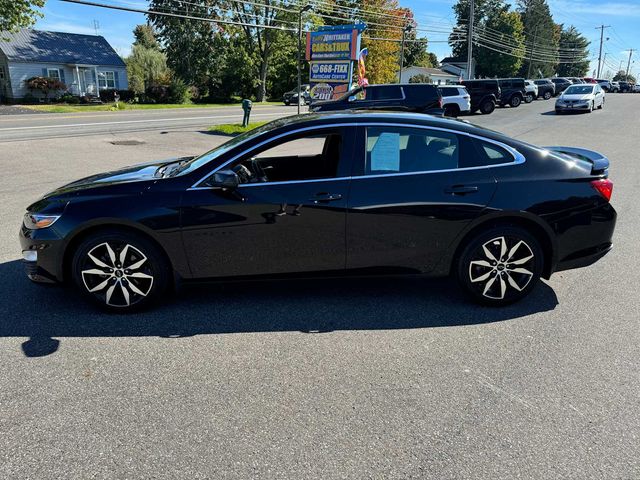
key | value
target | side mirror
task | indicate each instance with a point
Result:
(226, 179)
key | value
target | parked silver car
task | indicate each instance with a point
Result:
(586, 97)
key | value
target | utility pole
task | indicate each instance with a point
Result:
(533, 44)
(470, 40)
(405, 30)
(601, 27)
(631, 50)
(302, 10)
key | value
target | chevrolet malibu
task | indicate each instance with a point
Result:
(329, 194)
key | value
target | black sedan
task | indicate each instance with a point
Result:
(329, 194)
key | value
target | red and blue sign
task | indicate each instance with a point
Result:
(331, 52)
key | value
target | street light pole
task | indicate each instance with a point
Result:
(302, 10)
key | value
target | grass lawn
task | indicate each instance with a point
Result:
(107, 107)
(234, 128)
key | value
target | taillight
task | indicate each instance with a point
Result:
(604, 186)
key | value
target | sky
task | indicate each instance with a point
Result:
(434, 17)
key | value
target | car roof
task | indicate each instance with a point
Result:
(363, 117)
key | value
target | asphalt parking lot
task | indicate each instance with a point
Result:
(375, 378)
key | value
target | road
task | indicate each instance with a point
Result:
(56, 125)
(377, 378)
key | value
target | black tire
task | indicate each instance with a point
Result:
(120, 289)
(485, 274)
(528, 98)
(515, 101)
(487, 107)
(286, 102)
(601, 105)
(547, 95)
(451, 111)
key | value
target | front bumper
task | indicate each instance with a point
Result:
(572, 108)
(42, 254)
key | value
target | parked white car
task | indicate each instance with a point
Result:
(636, 88)
(615, 87)
(586, 97)
(455, 100)
(531, 91)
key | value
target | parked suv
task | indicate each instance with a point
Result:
(561, 84)
(546, 88)
(615, 87)
(531, 91)
(625, 87)
(411, 97)
(512, 91)
(485, 94)
(605, 84)
(455, 100)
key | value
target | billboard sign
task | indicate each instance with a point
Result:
(336, 43)
(335, 71)
(331, 52)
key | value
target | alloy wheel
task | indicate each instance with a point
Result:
(118, 274)
(502, 267)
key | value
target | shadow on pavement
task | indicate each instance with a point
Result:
(46, 313)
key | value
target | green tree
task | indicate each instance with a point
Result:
(542, 37)
(505, 28)
(481, 10)
(145, 37)
(16, 14)
(622, 76)
(146, 67)
(575, 48)
(416, 54)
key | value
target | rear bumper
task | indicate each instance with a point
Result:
(584, 258)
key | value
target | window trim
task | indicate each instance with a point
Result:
(517, 156)
(49, 70)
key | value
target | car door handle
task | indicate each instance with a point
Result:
(461, 189)
(326, 197)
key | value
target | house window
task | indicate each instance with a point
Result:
(107, 80)
(53, 73)
(1, 72)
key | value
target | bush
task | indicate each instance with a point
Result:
(68, 98)
(29, 99)
(156, 94)
(45, 85)
(107, 96)
(179, 92)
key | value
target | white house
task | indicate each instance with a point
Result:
(436, 75)
(84, 63)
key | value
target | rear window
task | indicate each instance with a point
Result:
(449, 91)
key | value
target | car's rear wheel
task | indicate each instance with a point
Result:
(515, 101)
(528, 98)
(601, 104)
(487, 107)
(120, 271)
(547, 95)
(500, 266)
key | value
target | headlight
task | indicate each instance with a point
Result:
(36, 221)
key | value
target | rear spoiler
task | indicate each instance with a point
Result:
(599, 163)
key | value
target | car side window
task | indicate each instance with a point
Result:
(488, 154)
(309, 156)
(405, 150)
(385, 93)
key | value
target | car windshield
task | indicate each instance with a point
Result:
(189, 166)
(579, 90)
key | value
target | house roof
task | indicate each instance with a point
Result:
(430, 71)
(28, 45)
(453, 60)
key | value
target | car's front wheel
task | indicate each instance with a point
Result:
(500, 266)
(120, 271)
